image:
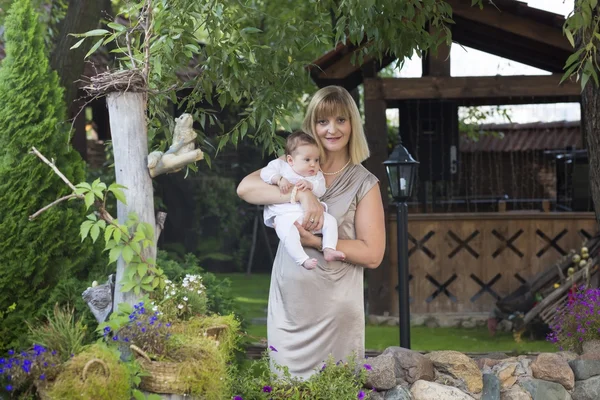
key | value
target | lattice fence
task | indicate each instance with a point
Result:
(466, 262)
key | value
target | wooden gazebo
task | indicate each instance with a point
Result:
(463, 262)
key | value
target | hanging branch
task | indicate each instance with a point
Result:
(103, 214)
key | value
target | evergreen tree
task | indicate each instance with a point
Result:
(34, 255)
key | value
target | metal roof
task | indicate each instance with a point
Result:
(525, 137)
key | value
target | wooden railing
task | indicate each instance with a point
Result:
(466, 262)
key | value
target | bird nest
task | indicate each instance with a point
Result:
(116, 81)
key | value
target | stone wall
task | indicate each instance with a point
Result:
(401, 374)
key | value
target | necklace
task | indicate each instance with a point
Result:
(336, 172)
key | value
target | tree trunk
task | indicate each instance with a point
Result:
(82, 16)
(130, 143)
(590, 124)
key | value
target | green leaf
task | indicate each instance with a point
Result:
(94, 48)
(119, 195)
(114, 254)
(569, 36)
(89, 200)
(117, 27)
(94, 32)
(127, 286)
(85, 229)
(127, 254)
(117, 235)
(142, 269)
(76, 45)
(155, 282)
(137, 290)
(585, 77)
(124, 308)
(251, 29)
(137, 395)
(94, 232)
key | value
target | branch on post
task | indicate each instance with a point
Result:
(102, 213)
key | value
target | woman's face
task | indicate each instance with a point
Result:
(334, 132)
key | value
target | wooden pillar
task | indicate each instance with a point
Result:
(130, 145)
(437, 61)
(379, 295)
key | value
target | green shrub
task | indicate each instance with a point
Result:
(34, 256)
(339, 380)
(219, 297)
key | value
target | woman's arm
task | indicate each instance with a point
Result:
(369, 221)
(254, 190)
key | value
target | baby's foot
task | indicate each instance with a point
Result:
(333, 255)
(311, 263)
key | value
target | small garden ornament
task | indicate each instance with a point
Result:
(181, 152)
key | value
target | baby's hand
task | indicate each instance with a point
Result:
(284, 185)
(304, 185)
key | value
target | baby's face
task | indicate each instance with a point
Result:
(305, 160)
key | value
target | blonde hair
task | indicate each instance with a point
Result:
(336, 101)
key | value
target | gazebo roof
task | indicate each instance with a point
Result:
(507, 28)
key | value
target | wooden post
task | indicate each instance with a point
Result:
(127, 113)
(379, 294)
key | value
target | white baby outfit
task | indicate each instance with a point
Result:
(283, 216)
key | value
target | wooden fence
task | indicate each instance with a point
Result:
(461, 263)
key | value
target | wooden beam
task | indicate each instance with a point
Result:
(524, 27)
(473, 87)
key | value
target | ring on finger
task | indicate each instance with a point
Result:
(312, 220)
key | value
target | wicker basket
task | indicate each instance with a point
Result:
(163, 376)
(43, 387)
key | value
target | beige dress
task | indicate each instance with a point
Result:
(315, 313)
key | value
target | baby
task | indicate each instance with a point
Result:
(300, 171)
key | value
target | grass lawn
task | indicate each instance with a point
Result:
(251, 293)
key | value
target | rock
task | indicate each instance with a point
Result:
(487, 362)
(459, 366)
(424, 390)
(567, 355)
(591, 346)
(505, 371)
(552, 367)
(377, 319)
(545, 390)
(585, 369)
(515, 393)
(504, 326)
(497, 355)
(523, 367)
(432, 323)
(491, 387)
(398, 393)
(377, 395)
(588, 389)
(381, 375)
(410, 365)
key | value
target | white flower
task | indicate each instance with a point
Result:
(185, 299)
(155, 308)
(173, 293)
(199, 291)
(185, 284)
(180, 306)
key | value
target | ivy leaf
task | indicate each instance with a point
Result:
(117, 235)
(118, 193)
(127, 254)
(570, 38)
(94, 232)
(142, 269)
(114, 254)
(117, 27)
(124, 308)
(127, 286)
(89, 200)
(85, 229)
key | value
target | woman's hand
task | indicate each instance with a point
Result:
(313, 210)
(307, 239)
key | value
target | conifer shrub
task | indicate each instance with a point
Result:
(34, 255)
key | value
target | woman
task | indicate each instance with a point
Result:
(315, 313)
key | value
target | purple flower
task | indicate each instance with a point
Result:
(272, 348)
(238, 398)
(42, 377)
(9, 388)
(360, 395)
(267, 389)
(367, 367)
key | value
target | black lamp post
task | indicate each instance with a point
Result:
(401, 170)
